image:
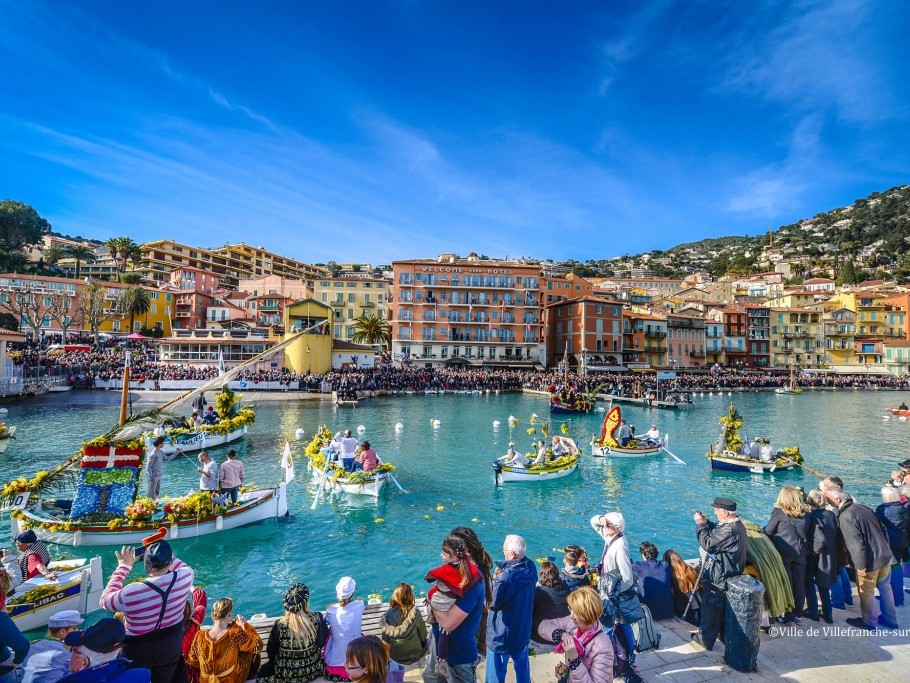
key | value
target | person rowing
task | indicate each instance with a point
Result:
(651, 437)
(513, 458)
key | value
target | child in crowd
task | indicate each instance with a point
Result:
(575, 570)
(455, 576)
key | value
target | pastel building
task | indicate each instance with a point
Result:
(588, 329)
(465, 311)
(350, 298)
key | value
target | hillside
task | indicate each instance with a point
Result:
(869, 238)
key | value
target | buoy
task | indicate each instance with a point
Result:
(495, 424)
(710, 393)
(902, 418)
(3, 411)
(702, 394)
(219, 523)
(299, 433)
(729, 393)
(398, 426)
(436, 423)
(361, 429)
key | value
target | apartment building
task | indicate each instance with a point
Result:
(840, 330)
(644, 340)
(231, 263)
(714, 340)
(466, 311)
(351, 297)
(798, 338)
(735, 331)
(588, 329)
(194, 291)
(685, 340)
(266, 297)
(758, 346)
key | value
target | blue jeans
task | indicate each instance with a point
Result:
(233, 493)
(459, 673)
(629, 635)
(897, 584)
(841, 590)
(497, 663)
(348, 464)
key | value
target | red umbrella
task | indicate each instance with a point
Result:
(136, 335)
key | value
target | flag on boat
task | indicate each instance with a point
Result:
(221, 366)
(287, 463)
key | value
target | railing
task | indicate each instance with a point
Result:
(795, 334)
(654, 334)
(367, 304)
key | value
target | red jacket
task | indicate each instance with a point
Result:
(451, 577)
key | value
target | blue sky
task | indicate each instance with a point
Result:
(370, 131)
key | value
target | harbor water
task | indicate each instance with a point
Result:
(446, 471)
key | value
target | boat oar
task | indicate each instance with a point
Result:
(815, 472)
(395, 481)
(668, 452)
(321, 482)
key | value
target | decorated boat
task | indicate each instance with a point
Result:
(232, 425)
(562, 456)
(899, 411)
(7, 434)
(92, 498)
(728, 453)
(791, 387)
(565, 400)
(607, 445)
(78, 587)
(329, 475)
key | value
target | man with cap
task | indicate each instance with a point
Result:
(48, 660)
(152, 610)
(724, 546)
(34, 557)
(96, 655)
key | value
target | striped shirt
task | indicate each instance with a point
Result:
(141, 605)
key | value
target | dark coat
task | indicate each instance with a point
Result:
(823, 535)
(549, 603)
(790, 535)
(894, 517)
(407, 638)
(656, 591)
(726, 543)
(863, 534)
(509, 619)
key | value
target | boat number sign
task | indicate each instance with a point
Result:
(20, 500)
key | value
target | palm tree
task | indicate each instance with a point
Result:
(80, 254)
(371, 329)
(121, 248)
(134, 301)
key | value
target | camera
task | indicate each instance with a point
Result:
(140, 552)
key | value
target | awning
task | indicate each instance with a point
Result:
(607, 368)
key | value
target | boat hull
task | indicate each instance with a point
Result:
(893, 411)
(511, 474)
(4, 443)
(781, 390)
(59, 388)
(254, 506)
(196, 442)
(730, 464)
(340, 485)
(78, 589)
(619, 452)
(565, 410)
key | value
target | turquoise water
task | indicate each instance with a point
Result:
(839, 433)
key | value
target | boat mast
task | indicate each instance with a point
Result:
(125, 393)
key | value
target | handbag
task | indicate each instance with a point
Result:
(624, 606)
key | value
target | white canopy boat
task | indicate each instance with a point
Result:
(78, 586)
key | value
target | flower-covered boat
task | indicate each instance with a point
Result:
(728, 453)
(607, 444)
(78, 586)
(559, 464)
(232, 425)
(7, 434)
(329, 474)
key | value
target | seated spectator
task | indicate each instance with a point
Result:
(49, 660)
(96, 655)
(403, 627)
(225, 652)
(296, 642)
(575, 570)
(549, 597)
(654, 582)
(684, 582)
(345, 619)
(580, 636)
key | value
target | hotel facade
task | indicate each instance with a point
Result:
(470, 311)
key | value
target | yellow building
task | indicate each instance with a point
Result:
(793, 298)
(158, 317)
(312, 352)
(797, 337)
(840, 327)
(350, 298)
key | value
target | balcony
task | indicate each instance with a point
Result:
(367, 304)
(840, 331)
(654, 334)
(795, 334)
(184, 301)
(697, 353)
(183, 314)
(654, 349)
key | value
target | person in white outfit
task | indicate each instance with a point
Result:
(616, 559)
(345, 618)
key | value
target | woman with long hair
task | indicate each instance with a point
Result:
(788, 529)
(367, 660)
(403, 628)
(549, 597)
(683, 580)
(484, 563)
(225, 652)
(295, 642)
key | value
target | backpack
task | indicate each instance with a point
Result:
(623, 669)
(646, 637)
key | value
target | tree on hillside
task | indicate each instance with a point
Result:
(371, 329)
(80, 254)
(134, 301)
(122, 249)
(20, 224)
(848, 273)
(53, 254)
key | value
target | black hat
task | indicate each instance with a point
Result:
(725, 504)
(905, 464)
(28, 536)
(296, 597)
(105, 636)
(158, 554)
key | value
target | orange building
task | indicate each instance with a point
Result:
(589, 329)
(466, 312)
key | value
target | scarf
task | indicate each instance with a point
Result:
(36, 548)
(581, 639)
